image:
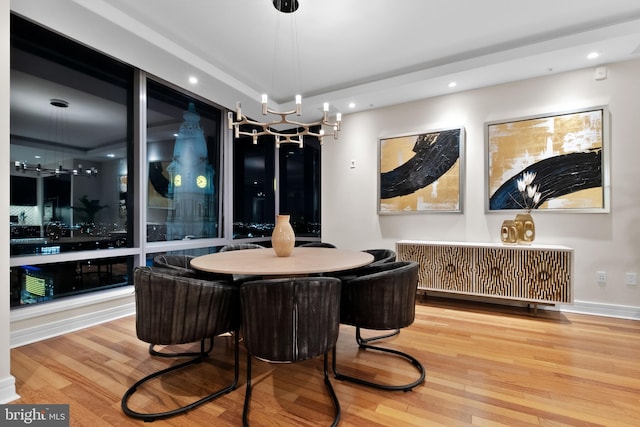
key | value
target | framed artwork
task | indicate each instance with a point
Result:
(421, 172)
(158, 190)
(561, 156)
(122, 200)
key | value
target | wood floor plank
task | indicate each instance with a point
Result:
(487, 365)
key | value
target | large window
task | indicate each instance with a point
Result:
(253, 188)
(70, 150)
(183, 153)
(78, 220)
(299, 181)
(257, 194)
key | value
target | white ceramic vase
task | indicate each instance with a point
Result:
(283, 238)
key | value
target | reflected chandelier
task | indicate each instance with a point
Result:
(60, 127)
(298, 129)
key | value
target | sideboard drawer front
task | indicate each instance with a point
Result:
(441, 267)
(499, 273)
(546, 274)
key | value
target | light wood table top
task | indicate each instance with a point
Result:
(265, 262)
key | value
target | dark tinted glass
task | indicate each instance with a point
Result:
(183, 154)
(253, 188)
(300, 186)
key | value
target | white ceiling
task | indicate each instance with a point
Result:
(373, 53)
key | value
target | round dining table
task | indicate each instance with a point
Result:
(265, 262)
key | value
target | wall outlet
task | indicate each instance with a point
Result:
(631, 279)
(601, 277)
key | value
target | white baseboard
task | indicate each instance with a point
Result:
(8, 390)
(68, 315)
(599, 309)
(580, 307)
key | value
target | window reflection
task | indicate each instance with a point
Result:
(70, 145)
(31, 284)
(69, 115)
(183, 150)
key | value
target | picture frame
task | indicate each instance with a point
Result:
(421, 172)
(122, 197)
(564, 154)
(158, 185)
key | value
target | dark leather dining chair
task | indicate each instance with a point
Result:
(290, 320)
(318, 245)
(381, 256)
(239, 279)
(179, 263)
(240, 246)
(381, 298)
(173, 309)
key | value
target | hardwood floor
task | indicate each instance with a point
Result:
(486, 366)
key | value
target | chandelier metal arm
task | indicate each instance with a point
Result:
(267, 128)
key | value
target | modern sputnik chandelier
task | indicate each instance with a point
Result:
(296, 130)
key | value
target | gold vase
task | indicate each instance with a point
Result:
(526, 228)
(283, 238)
(509, 232)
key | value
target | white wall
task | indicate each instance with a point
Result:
(7, 382)
(608, 242)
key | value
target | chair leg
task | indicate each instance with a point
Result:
(247, 394)
(403, 387)
(332, 393)
(362, 341)
(160, 415)
(327, 382)
(202, 352)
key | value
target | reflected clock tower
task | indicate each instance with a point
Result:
(191, 191)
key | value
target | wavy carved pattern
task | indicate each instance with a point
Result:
(514, 272)
(441, 267)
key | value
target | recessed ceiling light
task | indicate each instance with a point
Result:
(352, 105)
(37, 156)
(193, 80)
(452, 84)
(111, 155)
(593, 55)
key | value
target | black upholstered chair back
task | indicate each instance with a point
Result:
(238, 279)
(381, 255)
(382, 297)
(240, 246)
(173, 261)
(175, 264)
(174, 309)
(289, 320)
(318, 245)
(177, 309)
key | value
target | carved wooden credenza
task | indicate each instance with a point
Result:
(539, 274)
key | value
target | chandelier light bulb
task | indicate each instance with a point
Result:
(298, 104)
